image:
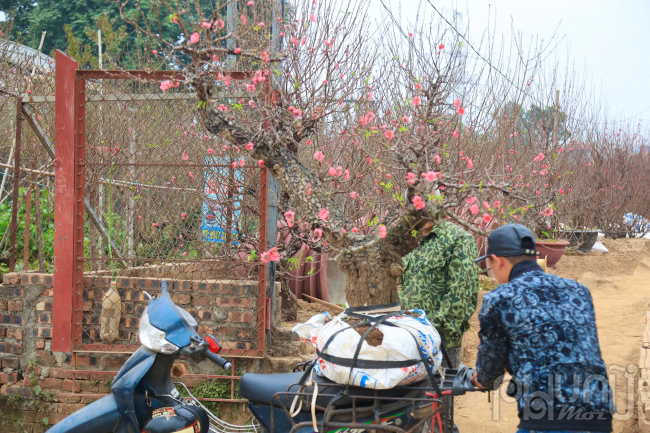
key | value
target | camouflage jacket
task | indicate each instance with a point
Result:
(441, 278)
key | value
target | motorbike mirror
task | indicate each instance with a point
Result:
(213, 345)
(164, 287)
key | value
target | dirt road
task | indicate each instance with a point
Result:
(620, 286)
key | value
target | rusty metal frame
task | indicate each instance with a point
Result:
(16, 191)
(70, 127)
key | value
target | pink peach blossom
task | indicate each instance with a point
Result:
(195, 38)
(319, 156)
(324, 214)
(418, 202)
(382, 231)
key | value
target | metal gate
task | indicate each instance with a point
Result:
(145, 193)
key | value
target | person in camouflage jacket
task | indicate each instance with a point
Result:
(441, 278)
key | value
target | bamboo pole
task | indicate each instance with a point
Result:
(336, 308)
(39, 225)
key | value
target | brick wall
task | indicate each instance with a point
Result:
(29, 367)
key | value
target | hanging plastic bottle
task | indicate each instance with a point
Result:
(111, 314)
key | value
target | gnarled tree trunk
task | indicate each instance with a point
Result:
(372, 264)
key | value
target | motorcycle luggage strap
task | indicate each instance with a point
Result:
(366, 363)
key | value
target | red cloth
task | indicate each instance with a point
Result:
(301, 280)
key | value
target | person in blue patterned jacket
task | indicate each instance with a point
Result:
(541, 329)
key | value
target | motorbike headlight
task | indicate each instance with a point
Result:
(153, 338)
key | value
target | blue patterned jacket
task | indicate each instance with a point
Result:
(542, 329)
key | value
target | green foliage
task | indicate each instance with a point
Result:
(47, 226)
(42, 396)
(67, 21)
(13, 400)
(218, 388)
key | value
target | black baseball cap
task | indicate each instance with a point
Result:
(510, 240)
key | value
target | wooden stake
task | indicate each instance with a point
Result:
(334, 307)
(28, 208)
(39, 228)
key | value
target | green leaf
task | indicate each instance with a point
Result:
(311, 271)
(37, 389)
(414, 233)
(403, 128)
(251, 256)
(46, 421)
(309, 259)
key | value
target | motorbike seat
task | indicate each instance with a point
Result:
(260, 389)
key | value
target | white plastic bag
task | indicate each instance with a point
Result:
(309, 330)
(398, 344)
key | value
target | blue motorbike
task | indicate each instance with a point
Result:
(145, 399)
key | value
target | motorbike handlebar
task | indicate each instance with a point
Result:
(223, 363)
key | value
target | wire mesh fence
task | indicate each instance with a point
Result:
(166, 200)
(27, 184)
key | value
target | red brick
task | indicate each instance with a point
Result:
(39, 343)
(58, 373)
(235, 316)
(245, 334)
(202, 301)
(123, 283)
(18, 390)
(10, 363)
(67, 385)
(10, 319)
(3, 305)
(181, 299)
(205, 315)
(203, 286)
(113, 364)
(67, 399)
(8, 378)
(205, 330)
(68, 408)
(10, 348)
(102, 282)
(89, 386)
(16, 333)
(87, 361)
(100, 375)
(3, 332)
(45, 356)
(43, 306)
(50, 383)
(44, 318)
(42, 332)
(233, 289)
(10, 278)
(47, 280)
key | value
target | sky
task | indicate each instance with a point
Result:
(610, 39)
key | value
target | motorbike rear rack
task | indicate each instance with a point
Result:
(420, 405)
